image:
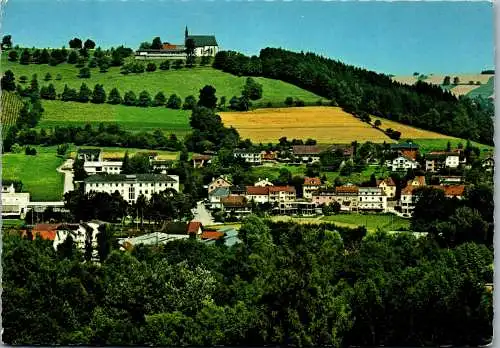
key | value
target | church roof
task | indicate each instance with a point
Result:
(203, 40)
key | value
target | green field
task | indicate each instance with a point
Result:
(58, 113)
(37, 173)
(426, 145)
(372, 222)
(11, 105)
(485, 90)
(182, 82)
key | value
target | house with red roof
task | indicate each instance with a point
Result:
(194, 228)
(388, 186)
(310, 186)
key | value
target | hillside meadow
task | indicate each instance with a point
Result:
(327, 125)
(183, 82)
(132, 118)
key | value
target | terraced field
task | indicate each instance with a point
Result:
(11, 105)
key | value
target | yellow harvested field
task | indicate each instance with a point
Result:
(464, 78)
(408, 132)
(327, 125)
(409, 80)
(462, 89)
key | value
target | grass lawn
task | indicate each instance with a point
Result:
(426, 145)
(58, 113)
(273, 172)
(386, 222)
(12, 223)
(182, 82)
(37, 173)
(119, 152)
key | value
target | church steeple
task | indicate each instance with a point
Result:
(186, 34)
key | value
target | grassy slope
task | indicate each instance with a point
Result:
(182, 82)
(131, 118)
(485, 90)
(427, 145)
(38, 173)
(371, 222)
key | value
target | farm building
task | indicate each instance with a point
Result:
(14, 204)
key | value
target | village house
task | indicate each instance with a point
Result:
(347, 150)
(284, 197)
(408, 199)
(347, 197)
(388, 186)
(306, 153)
(130, 187)
(42, 231)
(95, 164)
(324, 196)
(215, 197)
(452, 191)
(258, 194)
(80, 233)
(310, 186)
(450, 179)
(269, 156)
(372, 198)
(250, 156)
(200, 161)
(194, 228)
(407, 149)
(229, 236)
(14, 204)
(221, 181)
(437, 160)
(237, 205)
(402, 163)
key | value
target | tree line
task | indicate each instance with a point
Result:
(285, 284)
(360, 91)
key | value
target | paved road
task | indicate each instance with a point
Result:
(202, 215)
(67, 169)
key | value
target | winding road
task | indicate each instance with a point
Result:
(67, 169)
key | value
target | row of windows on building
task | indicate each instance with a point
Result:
(122, 185)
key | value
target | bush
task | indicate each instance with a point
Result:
(151, 67)
(92, 63)
(174, 102)
(58, 77)
(47, 77)
(144, 99)
(189, 102)
(165, 65)
(23, 79)
(160, 99)
(299, 102)
(289, 101)
(13, 56)
(129, 98)
(252, 90)
(179, 63)
(62, 149)
(30, 151)
(84, 73)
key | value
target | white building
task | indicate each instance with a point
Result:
(439, 159)
(310, 186)
(372, 198)
(408, 199)
(263, 183)
(204, 45)
(79, 232)
(402, 163)
(14, 203)
(130, 187)
(155, 238)
(94, 163)
(253, 157)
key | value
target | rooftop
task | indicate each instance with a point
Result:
(451, 190)
(234, 201)
(306, 150)
(312, 181)
(203, 40)
(388, 181)
(220, 192)
(193, 227)
(347, 189)
(98, 178)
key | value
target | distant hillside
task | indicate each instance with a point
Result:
(183, 82)
(366, 92)
(471, 85)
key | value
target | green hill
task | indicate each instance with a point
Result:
(58, 113)
(182, 82)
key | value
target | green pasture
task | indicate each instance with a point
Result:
(372, 222)
(58, 113)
